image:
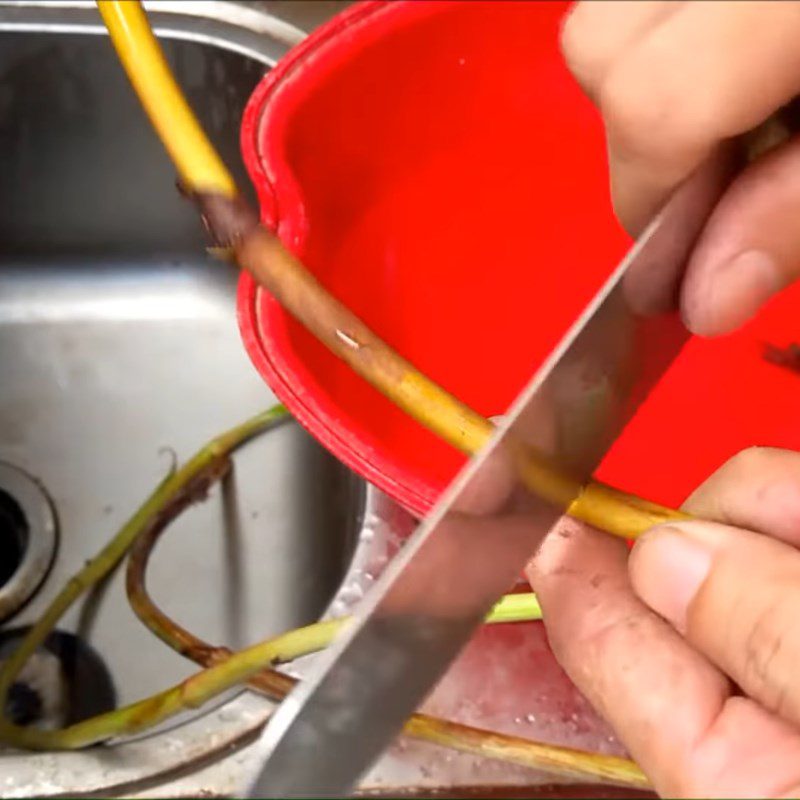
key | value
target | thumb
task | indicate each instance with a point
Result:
(735, 595)
(750, 248)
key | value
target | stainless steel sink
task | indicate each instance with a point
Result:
(119, 345)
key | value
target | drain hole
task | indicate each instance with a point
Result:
(14, 533)
(24, 705)
(64, 682)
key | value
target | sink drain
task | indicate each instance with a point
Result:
(28, 538)
(63, 682)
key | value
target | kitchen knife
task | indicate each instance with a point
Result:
(422, 611)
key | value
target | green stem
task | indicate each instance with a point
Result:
(178, 489)
(210, 682)
(214, 453)
(516, 608)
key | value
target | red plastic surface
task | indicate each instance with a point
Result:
(441, 173)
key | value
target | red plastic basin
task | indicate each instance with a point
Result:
(439, 170)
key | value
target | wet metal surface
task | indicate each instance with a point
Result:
(120, 349)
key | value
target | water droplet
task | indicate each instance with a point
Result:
(367, 535)
(338, 609)
(462, 61)
(351, 593)
(518, 720)
(530, 717)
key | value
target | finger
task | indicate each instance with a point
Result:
(751, 246)
(594, 35)
(668, 704)
(757, 489)
(657, 693)
(708, 72)
(736, 595)
(746, 752)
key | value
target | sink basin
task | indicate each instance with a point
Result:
(119, 346)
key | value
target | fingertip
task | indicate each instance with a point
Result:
(667, 567)
(750, 248)
(757, 489)
(722, 296)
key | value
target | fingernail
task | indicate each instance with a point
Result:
(667, 567)
(732, 293)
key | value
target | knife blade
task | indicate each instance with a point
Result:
(428, 602)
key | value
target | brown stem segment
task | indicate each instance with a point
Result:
(234, 226)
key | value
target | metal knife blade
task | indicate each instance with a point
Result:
(434, 594)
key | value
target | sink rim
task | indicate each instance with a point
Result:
(232, 26)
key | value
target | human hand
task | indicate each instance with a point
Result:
(673, 80)
(659, 642)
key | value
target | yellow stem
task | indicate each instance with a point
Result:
(195, 158)
(202, 171)
(619, 513)
(516, 750)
